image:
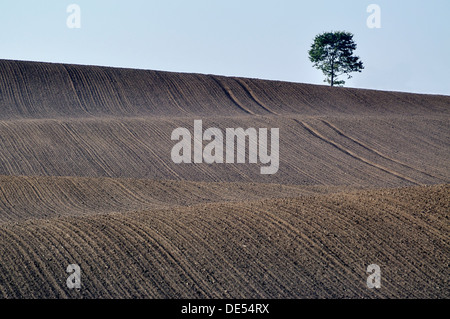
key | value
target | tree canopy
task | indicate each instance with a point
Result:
(332, 53)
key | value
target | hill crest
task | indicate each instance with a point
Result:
(54, 90)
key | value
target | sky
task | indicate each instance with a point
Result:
(265, 39)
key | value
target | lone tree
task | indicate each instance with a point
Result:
(332, 52)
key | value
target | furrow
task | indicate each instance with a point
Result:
(250, 92)
(353, 155)
(373, 150)
(231, 95)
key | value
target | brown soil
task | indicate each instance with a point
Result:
(86, 177)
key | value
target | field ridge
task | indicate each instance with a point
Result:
(86, 177)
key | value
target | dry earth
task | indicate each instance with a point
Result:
(86, 177)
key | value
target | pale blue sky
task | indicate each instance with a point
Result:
(264, 39)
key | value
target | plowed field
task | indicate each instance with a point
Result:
(86, 177)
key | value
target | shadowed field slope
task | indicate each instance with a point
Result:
(86, 177)
(49, 90)
(310, 246)
(313, 151)
(26, 198)
(73, 120)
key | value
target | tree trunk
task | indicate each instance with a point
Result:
(332, 74)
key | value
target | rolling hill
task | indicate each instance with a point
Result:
(86, 177)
